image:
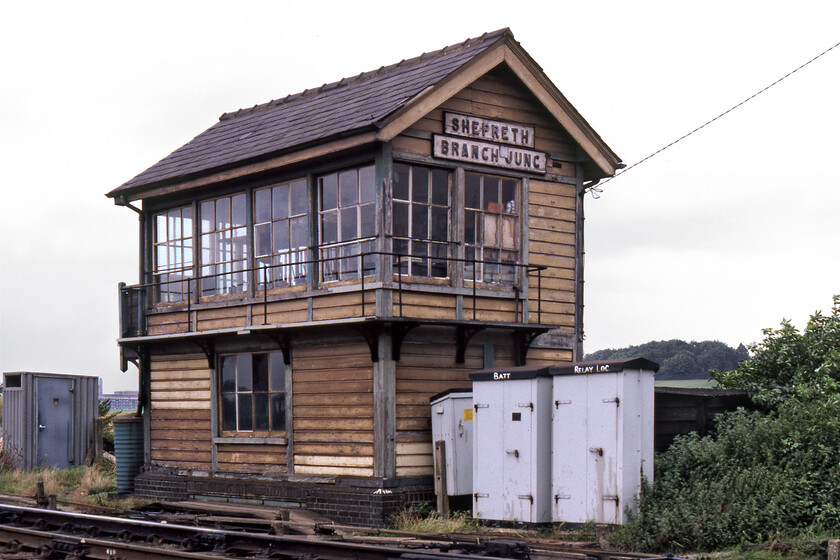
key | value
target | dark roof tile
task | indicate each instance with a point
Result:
(315, 114)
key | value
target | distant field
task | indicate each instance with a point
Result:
(685, 383)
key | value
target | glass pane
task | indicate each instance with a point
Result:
(297, 192)
(472, 191)
(491, 194)
(401, 248)
(229, 412)
(262, 205)
(299, 234)
(162, 258)
(260, 362)
(400, 181)
(244, 373)
(349, 227)
(280, 202)
(222, 213)
(440, 187)
(439, 264)
(329, 227)
(160, 228)
(419, 222)
(348, 188)
(228, 374)
(419, 266)
(238, 210)
(420, 184)
(329, 191)
(281, 236)
(277, 372)
(262, 239)
(440, 224)
(368, 261)
(278, 412)
(509, 196)
(400, 219)
(367, 184)
(470, 220)
(261, 421)
(246, 414)
(368, 225)
(207, 216)
(174, 224)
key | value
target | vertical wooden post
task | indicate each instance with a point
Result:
(440, 479)
(98, 432)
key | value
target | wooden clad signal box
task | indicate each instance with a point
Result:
(313, 269)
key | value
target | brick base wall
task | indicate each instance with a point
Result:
(350, 500)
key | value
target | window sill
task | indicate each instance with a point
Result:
(255, 440)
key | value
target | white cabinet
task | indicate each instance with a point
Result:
(512, 438)
(452, 423)
(602, 438)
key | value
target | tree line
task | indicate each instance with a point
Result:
(679, 359)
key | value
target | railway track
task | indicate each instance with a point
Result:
(37, 533)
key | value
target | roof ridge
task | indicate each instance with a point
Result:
(346, 81)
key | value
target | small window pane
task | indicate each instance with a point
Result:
(368, 217)
(207, 216)
(281, 236)
(299, 235)
(260, 365)
(262, 239)
(472, 191)
(329, 192)
(440, 224)
(280, 201)
(420, 184)
(509, 196)
(400, 219)
(367, 184)
(297, 192)
(174, 224)
(244, 375)
(246, 413)
(470, 219)
(420, 222)
(349, 227)
(278, 412)
(161, 228)
(261, 420)
(278, 372)
(491, 194)
(329, 227)
(229, 412)
(222, 213)
(348, 188)
(238, 210)
(228, 374)
(262, 205)
(400, 181)
(440, 187)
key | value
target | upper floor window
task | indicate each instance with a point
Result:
(173, 254)
(281, 233)
(224, 245)
(491, 227)
(346, 222)
(420, 218)
(253, 393)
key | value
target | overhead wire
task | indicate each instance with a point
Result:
(596, 188)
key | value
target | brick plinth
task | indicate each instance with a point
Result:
(351, 500)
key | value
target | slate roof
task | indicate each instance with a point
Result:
(339, 108)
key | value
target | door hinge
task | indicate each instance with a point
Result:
(480, 405)
(615, 400)
(558, 497)
(525, 405)
(558, 403)
(528, 497)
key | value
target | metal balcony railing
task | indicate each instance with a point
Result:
(267, 279)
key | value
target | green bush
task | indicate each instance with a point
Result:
(765, 475)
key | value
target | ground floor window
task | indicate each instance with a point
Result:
(253, 393)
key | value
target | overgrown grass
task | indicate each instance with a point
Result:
(83, 482)
(422, 518)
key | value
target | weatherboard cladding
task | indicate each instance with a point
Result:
(351, 104)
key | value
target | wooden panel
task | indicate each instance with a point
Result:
(333, 407)
(548, 356)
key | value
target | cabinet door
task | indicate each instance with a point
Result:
(602, 434)
(569, 465)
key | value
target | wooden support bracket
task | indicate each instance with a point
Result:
(522, 341)
(208, 346)
(370, 332)
(284, 341)
(398, 334)
(463, 334)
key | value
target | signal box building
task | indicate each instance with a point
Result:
(313, 269)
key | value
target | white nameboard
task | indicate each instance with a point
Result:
(485, 153)
(488, 130)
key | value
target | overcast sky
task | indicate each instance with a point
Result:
(722, 235)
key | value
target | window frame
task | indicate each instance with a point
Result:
(274, 364)
(173, 245)
(494, 214)
(289, 263)
(221, 241)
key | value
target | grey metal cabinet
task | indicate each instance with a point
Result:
(452, 424)
(512, 439)
(602, 438)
